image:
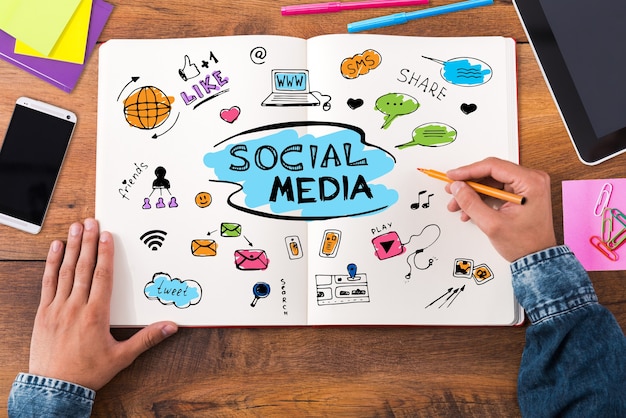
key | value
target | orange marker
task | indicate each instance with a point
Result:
(480, 188)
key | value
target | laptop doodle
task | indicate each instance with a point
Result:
(290, 88)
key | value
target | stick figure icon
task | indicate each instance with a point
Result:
(160, 184)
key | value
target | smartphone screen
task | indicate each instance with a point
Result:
(30, 161)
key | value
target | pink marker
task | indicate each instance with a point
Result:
(337, 6)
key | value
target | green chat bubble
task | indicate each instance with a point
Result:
(431, 135)
(394, 105)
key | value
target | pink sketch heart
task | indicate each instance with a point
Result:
(230, 115)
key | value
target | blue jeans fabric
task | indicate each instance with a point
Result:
(37, 396)
(574, 360)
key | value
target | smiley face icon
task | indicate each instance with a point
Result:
(203, 199)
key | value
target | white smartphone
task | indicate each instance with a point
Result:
(30, 161)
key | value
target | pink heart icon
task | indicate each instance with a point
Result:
(230, 115)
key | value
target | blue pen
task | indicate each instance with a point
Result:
(399, 18)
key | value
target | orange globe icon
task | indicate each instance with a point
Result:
(147, 107)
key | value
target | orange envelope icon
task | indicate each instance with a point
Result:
(203, 247)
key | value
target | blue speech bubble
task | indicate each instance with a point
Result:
(464, 71)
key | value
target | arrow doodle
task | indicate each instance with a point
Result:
(439, 298)
(132, 80)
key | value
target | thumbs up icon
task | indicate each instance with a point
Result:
(189, 70)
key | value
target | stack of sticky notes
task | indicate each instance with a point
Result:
(51, 39)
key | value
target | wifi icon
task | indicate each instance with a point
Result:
(154, 239)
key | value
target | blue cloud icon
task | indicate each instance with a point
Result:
(168, 291)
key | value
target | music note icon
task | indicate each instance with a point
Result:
(419, 203)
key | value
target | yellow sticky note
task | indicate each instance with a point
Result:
(37, 23)
(72, 43)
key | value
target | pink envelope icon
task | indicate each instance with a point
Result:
(251, 260)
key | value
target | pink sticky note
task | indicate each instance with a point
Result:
(583, 200)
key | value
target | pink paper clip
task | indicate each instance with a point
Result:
(603, 199)
(603, 248)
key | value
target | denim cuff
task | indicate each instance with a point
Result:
(33, 395)
(551, 282)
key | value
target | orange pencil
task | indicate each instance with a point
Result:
(480, 188)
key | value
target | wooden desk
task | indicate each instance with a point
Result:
(393, 371)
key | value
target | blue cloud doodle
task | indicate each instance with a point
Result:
(326, 174)
(168, 291)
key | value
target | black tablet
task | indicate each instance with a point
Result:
(580, 48)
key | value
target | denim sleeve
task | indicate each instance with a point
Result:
(38, 396)
(574, 360)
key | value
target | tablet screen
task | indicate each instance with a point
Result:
(580, 48)
(583, 30)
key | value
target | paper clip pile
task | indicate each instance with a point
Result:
(613, 232)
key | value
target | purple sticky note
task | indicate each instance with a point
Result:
(64, 75)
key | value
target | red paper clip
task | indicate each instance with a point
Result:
(603, 248)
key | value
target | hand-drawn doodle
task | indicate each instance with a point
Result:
(260, 290)
(482, 274)
(230, 229)
(205, 63)
(230, 115)
(388, 245)
(354, 103)
(189, 70)
(468, 108)
(450, 296)
(294, 247)
(463, 268)
(464, 71)
(290, 88)
(153, 239)
(303, 171)
(211, 86)
(394, 105)
(251, 259)
(132, 80)
(324, 100)
(360, 64)
(131, 180)
(203, 247)
(431, 134)
(258, 54)
(425, 239)
(335, 289)
(330, 243)
(203, 199)
(168, 291)
(147, 107)
(160, 184)
(425, 205)
(352, 269)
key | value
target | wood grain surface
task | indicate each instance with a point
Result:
(292, 371)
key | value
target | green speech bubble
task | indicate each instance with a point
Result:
(431, 135)
(394, 105)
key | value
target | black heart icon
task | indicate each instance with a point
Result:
(355, 103)
(468, 108)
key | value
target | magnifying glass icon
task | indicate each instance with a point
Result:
(260, 290)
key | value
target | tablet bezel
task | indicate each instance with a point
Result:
(590, 148)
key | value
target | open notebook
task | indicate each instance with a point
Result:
(232, 207)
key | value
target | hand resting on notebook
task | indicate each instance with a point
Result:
(71, 339)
